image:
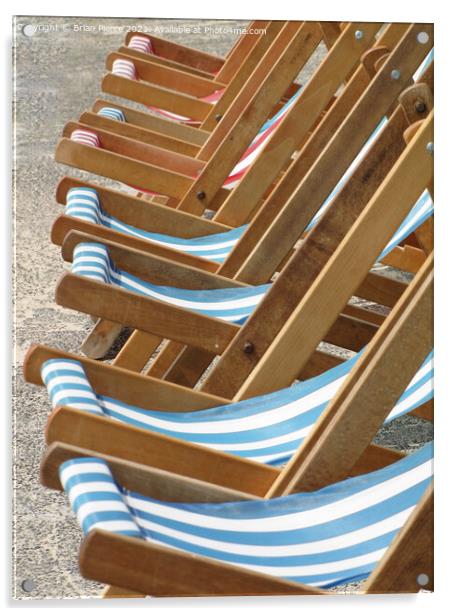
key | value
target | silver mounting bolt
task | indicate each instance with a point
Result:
(359, 35)
(395, 74)
(430, 147)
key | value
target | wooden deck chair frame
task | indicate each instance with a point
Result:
(179, 89)
(181, 137)
(187, 226)
(273, 239)
(201, 194)
(287, 187)
(231, 78)
(408, 178)
(368, 186)
(374, 383)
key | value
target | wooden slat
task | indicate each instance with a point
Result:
(148, 94)
(64, 225)
(121, 168)
(150, 267)
(145, 135)
(167, 77)
(140, 312)
(148, 481)
(114, 438)
(161, 572)
(182, 132)
(132, 148)
(125, 385)
(183, 54)
(143, 214)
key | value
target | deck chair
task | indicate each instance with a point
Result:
(187, 139)
(290, 183)
(161, 450)
(157, 521)
(360, 173)
(169, 549)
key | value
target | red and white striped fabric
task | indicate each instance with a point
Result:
(141, 43)
(126, 68)
(85, 137)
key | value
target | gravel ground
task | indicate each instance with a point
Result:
(58, 71)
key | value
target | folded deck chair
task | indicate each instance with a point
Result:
(295, 544)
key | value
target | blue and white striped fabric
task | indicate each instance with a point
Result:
(267, 429)
(112, 114)
(92, 260)
(324, 538)
(234, 304)
(83, 203)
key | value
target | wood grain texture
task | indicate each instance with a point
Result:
(340, 277)
(376, 382)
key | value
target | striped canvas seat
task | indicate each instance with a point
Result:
(234, 304)
(324, 538)
(267, 428)
(83, 203)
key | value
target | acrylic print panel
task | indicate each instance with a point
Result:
(58, 67)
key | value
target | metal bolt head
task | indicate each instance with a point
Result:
(423, 579)
(28, 585)
(430, 147)
(359, 35)
(395, 74)
(420, 106)
(201, 195)
(218, 117)
(248, 347)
